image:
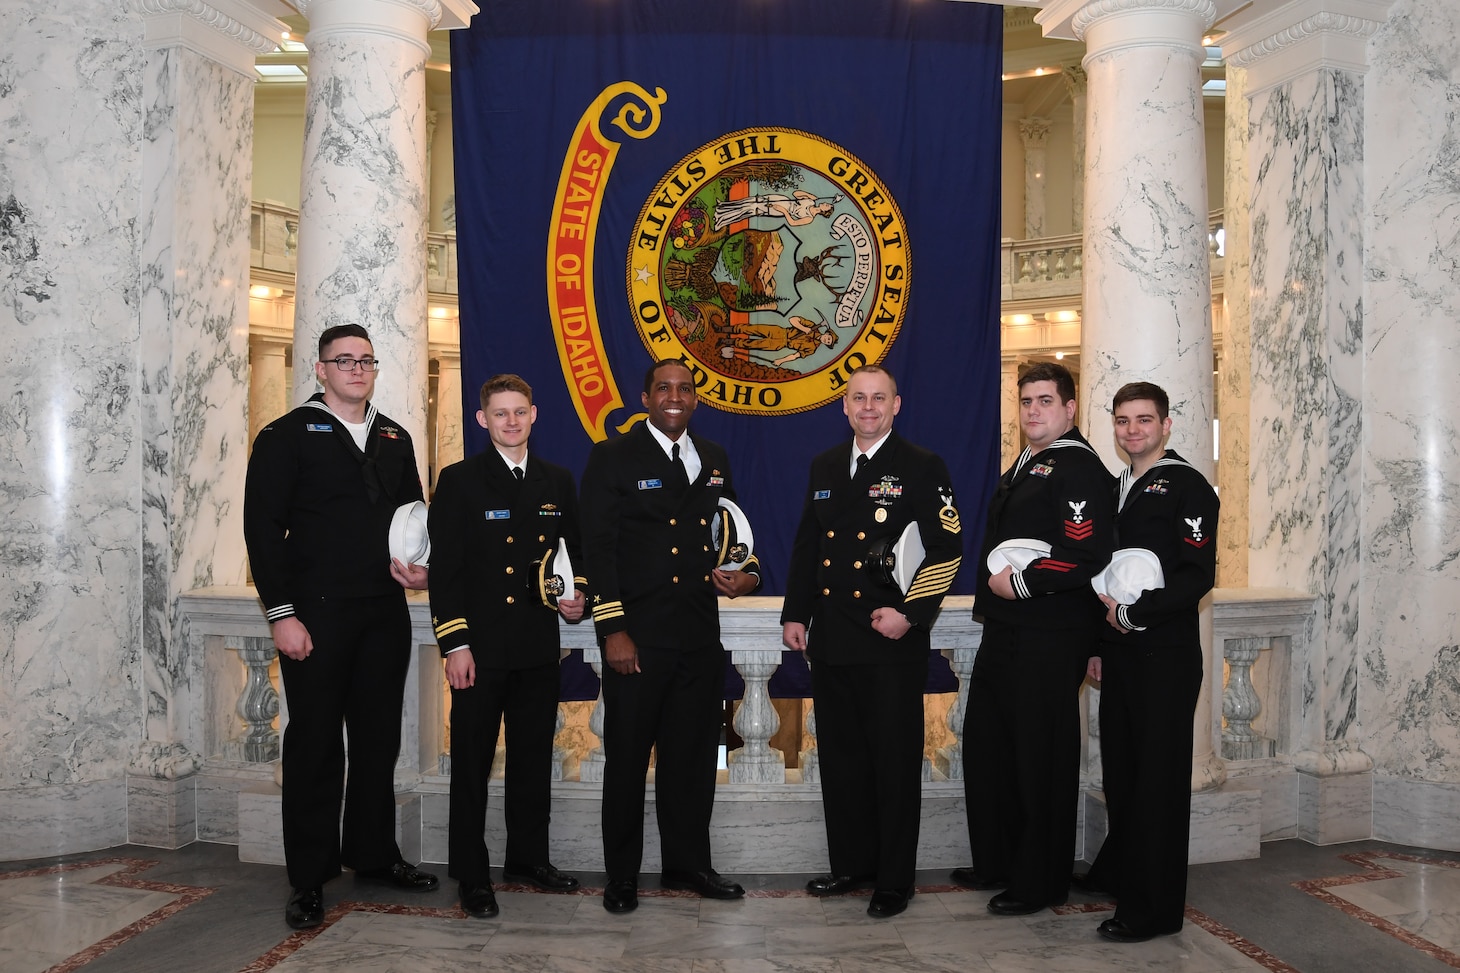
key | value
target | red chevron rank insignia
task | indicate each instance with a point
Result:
(1079, 530)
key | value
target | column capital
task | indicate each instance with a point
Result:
(1300, 37)
(1109, 25)
(1077, 80)
(1034, 131)
(404, 19)
(232, 32)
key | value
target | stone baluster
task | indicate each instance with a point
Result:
(810, 759)
(757, 762)
(1026, 269)
(560, 753)
(590, 768)
(1241, 704)
(258, 702)
(949, 759)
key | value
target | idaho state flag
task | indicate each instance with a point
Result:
(773, 192)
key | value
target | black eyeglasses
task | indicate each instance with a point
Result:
(348, 364)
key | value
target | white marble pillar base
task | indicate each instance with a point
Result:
(1417, 812)
(1226, 824)
(1278, 784)
(59, 819)
(1335, 809)
(162, 813)
(261, 827)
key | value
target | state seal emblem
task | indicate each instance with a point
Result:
(773, 262)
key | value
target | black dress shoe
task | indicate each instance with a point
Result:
(1005, 904)
(970, 879)
(836, 884)
(708, 884)
(1118, 932)
(478, 900)
(887, 903)
(407, 878)
(545, 877)
(305, 909)
(621, 896)
(1084, 883)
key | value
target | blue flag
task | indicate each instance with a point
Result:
(774, 193)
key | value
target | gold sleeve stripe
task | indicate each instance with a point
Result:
(448, 627)
(607, 610)
(934, 579)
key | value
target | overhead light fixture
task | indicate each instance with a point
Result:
(280, 72)
(1059, 356)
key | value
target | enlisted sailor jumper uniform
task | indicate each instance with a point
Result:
(646, 547)
(1021, 731)
(868, 689)
(316, 519)
(487, 529)
(1150, 683)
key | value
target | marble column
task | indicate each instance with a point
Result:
(197, 150)
(363, 194)
(1147, 282)
(1034, 133)
(1234, 371)
(70, 453)
(1305, 82)
(268, 383)
(1009, 445)
(1077, 83)
(450, 442)
(1408, 630)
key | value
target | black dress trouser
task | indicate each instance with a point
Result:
(354, 678)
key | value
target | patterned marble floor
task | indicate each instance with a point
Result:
(1364, 906)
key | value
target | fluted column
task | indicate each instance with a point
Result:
(1077, 83)
(1305, 66)
(450, 445)
(1008, 412)
(364, 192)
(1034, 133)
(1147, 283)
(268, 381)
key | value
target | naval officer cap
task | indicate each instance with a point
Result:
(551, 576)
(895, 561)
(731, 534)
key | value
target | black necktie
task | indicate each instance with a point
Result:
(861, 465)
(517, 472)
(679, 466)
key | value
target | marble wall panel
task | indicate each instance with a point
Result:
(1416, 812)
(71, 119)
(1409, 642)
(1234, 373)
(1307, 327)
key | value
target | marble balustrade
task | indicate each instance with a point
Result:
(768, 816)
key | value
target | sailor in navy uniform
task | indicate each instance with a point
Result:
(1021, 732)
(1150, 671)
(647, 500)
(323, 484)
(867, 640)
(494, 519)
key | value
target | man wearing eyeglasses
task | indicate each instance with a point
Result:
(323, 483)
